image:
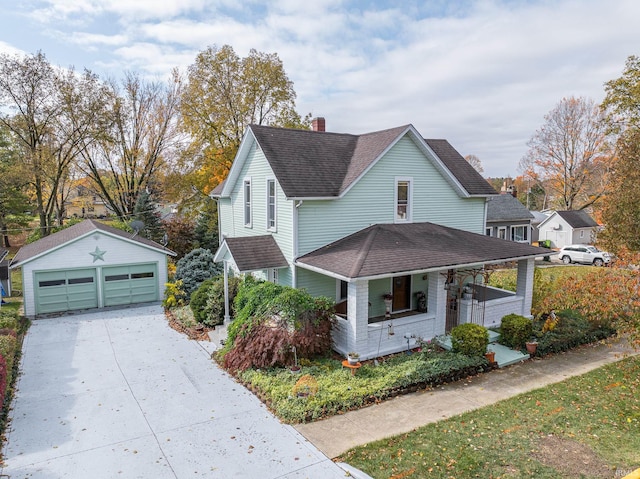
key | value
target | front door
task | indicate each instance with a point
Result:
(401, 293)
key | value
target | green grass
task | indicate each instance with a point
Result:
(339, 391)
(506, 278)
(597, 413)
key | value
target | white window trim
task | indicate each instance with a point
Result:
(272, 275)
(488, 231)
(409, 218)
(247, 224)
(524, 229)
(275, 204)
(502, 228)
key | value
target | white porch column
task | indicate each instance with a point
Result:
(437, 301)
(358, 316)
(524, 286)
(227, 316)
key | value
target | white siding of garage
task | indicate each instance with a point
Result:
(76, 254)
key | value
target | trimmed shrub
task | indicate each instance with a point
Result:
(3, 380)
(207, 302)
(515, 331)
(195, 268)
(469, 339)
(9, 320)
(8, 345)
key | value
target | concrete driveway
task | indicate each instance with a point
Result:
(120, 394)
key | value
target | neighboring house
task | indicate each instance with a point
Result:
(84, 202)
(568, 227)
(354, 217)
(90, 265)
(538, 217)
(507, 218)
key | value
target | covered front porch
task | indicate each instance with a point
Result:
(435, 305)
(401, 288)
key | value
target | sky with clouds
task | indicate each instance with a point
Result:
(481, 73)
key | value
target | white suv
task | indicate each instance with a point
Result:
(583, 253)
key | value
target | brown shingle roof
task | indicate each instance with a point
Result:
(74, 232)
(578, 219)
(469, 178)
(251, 253)
(401, 248)
(310, 164)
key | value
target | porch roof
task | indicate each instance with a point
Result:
(251, 253)
(387, 249)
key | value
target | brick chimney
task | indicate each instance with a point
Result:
(317, 124)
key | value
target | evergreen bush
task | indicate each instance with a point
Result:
(515, 331)
(470, 339)
(196, 267)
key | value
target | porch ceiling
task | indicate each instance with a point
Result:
(387, 249)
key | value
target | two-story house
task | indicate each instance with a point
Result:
(361, 218)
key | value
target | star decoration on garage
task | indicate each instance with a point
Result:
(97, 254)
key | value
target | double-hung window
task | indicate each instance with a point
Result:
(519, 233)
(271, 204)
(403, 198)
(247, 202)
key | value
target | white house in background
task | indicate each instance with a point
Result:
(568, 227)
(357, 217)
(90, 265)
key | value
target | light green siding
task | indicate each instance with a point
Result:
(371, 201)
(316, 284)
(256, 167)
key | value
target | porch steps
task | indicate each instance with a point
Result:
(504, 355)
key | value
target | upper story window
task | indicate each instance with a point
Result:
(488, 231)
(519, 233)
(271, 204)
(403, 199)
(247, 201)
(502, 232)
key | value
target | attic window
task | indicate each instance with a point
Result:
(403, 196)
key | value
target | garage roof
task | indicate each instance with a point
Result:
(56, 240)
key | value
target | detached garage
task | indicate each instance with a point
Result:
(90, 265)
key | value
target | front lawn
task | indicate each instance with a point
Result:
(587, 426)
(339, 391)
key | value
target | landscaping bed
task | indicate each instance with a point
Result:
(339, 391)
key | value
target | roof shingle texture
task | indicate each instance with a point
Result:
(469, 178)
(578, 219)
(73, 232)
(251, 253)
(401, 248)
(310, 164)
(506, 208)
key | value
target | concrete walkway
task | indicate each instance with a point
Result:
(337, 434)
(120, 394)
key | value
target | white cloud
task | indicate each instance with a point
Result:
(481, 73)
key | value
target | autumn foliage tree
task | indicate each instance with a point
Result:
(224, 94)
(621, 206)
(570, 154)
